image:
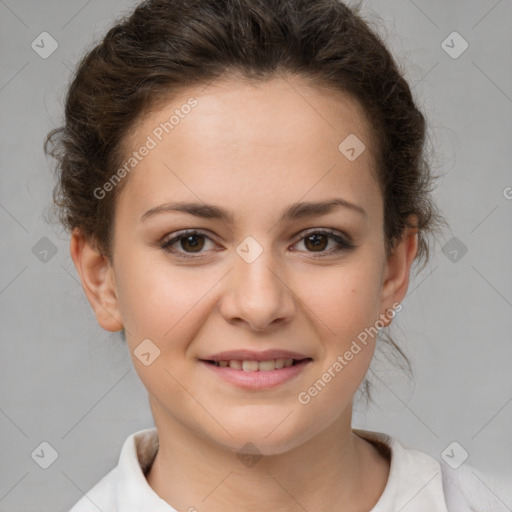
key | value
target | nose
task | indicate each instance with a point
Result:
(258, 294)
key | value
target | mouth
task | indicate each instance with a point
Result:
(254, 375)
(251, 365)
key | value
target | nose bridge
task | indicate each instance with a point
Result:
(257, 292)
(255, 266)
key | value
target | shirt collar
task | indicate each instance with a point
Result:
(414, 482)
(415, 478)
(133, 492)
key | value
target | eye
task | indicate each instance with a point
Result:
(316, 241)
(187, 243)
(191, 241)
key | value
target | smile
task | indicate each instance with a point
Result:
(250, 374)
(254, 366)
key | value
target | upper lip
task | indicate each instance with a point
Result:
(250, 355)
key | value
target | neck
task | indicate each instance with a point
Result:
(336, 469)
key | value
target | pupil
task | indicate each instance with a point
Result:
(194, 244)
(315, 242)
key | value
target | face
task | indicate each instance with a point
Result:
(255, 279)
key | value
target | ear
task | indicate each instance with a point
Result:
(96, 274)
(397, 270)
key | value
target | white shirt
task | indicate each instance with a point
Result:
(417, 482)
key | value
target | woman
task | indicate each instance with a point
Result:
(246, 192)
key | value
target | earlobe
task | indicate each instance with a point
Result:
(96, 275)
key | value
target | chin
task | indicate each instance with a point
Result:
(261, 439)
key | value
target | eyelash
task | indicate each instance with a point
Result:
(342, 243)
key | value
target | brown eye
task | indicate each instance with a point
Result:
(316, 242)
(186, 244)
(192, 243)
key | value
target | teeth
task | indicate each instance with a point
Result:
(250, 366)
(265, 366)
(254, 366)
(236, 365)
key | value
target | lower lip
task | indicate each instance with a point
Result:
(258, 379)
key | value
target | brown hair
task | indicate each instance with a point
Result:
(165, 46)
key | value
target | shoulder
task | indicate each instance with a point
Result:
(125, 487)
(480, 491)
(418, 481)
(101, 496)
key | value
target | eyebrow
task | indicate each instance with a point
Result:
(292, 212)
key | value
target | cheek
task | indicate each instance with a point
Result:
(345, 305)
(160, 300)
(344, 298)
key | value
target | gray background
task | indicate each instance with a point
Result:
(65, 381)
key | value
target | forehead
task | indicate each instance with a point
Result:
(247, 143)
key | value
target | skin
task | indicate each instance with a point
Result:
(254, 150)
